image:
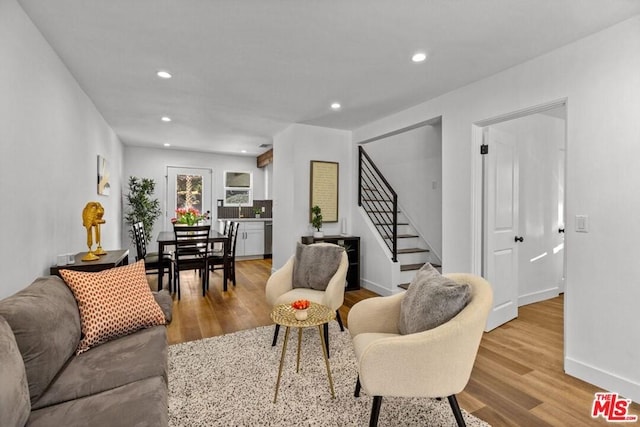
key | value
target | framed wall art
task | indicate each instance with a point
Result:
(324, 189)
(103, 176)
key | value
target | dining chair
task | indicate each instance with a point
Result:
(192, 248)
(216, 259)
(153, 262)
(217, 247)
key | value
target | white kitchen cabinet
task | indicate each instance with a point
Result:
(250, 242)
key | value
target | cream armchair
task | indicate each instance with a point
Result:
(434, 363)
(280, 290)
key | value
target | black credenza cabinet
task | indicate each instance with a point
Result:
(351, 244)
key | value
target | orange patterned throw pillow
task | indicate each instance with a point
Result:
(113, 303)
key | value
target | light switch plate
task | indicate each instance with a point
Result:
(582, 223)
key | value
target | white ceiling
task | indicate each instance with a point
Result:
(244, 70)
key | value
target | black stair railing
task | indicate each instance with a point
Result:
(379, 201)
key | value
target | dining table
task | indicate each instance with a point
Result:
(168, 238)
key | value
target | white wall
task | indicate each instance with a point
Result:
(599, 77)
(50, 137)
(152, 163)
(412, 163)
(293, 150)
(539, 143)
(268, 184)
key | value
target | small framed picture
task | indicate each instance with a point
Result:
(103, 176)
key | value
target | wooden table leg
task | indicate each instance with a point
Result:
(160, 269)
(326, 360)
(284, 350)
(225, 262)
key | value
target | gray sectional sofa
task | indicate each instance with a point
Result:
(44, 383)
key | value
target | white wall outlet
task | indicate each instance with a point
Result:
(582, 223)
(263, 209)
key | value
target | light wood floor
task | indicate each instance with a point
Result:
(517, 379)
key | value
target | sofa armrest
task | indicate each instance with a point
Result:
(164, 300)
(378, 314)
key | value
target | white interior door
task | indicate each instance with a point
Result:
(500, 262)
(188, 187)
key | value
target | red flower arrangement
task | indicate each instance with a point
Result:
(190, 216)
(301, 304)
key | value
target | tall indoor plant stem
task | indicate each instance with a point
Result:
(141, 206)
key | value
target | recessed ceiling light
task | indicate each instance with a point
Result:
(164, 74)
(419, 57)
(336, 106)
(166, 119)
(166, 144)
(243, 151)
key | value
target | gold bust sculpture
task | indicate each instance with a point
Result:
(92, 218)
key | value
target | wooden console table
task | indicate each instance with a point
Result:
(113, 258)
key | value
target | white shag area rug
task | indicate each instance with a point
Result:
(230, 381)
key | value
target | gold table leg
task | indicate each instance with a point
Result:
(299, 342)
(284, 350)
(326, 359)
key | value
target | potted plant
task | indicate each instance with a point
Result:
(141, 206)
(316, 221)
(257, 212)
(189, 216)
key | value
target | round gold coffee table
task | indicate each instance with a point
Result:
(318, 315)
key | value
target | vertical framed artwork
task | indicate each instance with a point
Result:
(324, 189)
(103, 176)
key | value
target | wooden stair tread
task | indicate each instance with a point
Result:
(402, 236)
(380, 224)
(412, 250)
(409, 267)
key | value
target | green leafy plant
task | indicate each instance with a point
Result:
(141, 206)
(189, 216)
(257, 211)
(316, 219)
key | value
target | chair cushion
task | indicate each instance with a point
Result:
(301, 293)
(15, 404)
(430, 301)
(315, 265)
(113, 303)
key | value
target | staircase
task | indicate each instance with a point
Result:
(380, 202)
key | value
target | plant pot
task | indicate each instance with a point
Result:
(301, 314)
(318, 234)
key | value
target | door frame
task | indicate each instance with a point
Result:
(167, 215)
(477, 175)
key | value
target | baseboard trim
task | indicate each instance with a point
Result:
(378, 289)
(538, 296)
(605, 380)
